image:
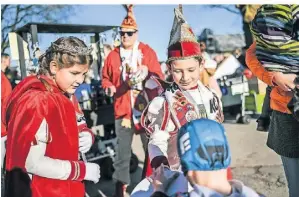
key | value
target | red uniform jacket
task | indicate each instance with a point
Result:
(32, 101)
(112, 76)
(5, 92)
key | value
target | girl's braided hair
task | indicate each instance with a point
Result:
(66, 51)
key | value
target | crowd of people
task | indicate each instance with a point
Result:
(44, 136)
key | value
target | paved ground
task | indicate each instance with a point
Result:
(252, 162)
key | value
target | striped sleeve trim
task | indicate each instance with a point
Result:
(78, 171)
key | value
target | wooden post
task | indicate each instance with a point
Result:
(21, 56)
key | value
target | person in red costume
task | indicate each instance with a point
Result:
(46, 130)
(124, 74)
(184, 100)
(5, 92)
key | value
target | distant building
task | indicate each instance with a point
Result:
(221, 43)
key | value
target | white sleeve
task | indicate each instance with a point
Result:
(38, 164)
(158, 144)
(157, 116)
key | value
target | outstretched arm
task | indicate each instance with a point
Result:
(256, 67)
(158, 125)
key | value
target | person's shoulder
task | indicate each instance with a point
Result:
(214, 92)
(35, 96)
(31, 90)
(113, 53)
(30, 102)
(207, 88)
(145, 47)
(5, 84)
(3, 77)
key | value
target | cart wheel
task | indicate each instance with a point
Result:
(107, 168)
(133, 163)
(245, 119)
(238, 118)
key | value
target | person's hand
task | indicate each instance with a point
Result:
(93, 172)
(138, 76)
(284, 81)
(163, 177)
(110, 91)
(85, 141)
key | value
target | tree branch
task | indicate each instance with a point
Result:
(4, 43)
(16, 15)
(26, 8)
(3, 9)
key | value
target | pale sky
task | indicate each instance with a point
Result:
(154, 22)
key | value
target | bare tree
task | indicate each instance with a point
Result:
(14, 16)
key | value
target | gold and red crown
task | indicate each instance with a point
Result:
(183, 43)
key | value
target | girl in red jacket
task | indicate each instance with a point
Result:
(47, 130)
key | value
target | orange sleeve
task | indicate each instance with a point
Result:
(256, 67)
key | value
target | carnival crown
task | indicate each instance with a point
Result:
(74, 50)
(182, 43)
(130, 20)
